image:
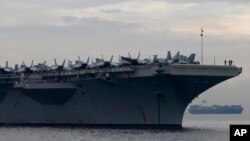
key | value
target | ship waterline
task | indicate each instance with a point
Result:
(145, 95)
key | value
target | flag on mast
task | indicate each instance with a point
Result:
(202, 31)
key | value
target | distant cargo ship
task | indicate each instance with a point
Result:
(216, 109)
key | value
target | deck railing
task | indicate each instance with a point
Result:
(68, 73)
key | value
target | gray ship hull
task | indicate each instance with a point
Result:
(157, 100)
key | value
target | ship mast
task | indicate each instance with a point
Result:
(202, 45)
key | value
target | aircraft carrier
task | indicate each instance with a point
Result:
(130, 93)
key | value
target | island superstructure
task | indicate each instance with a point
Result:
(130, 93)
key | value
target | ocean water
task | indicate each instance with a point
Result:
(196, 128)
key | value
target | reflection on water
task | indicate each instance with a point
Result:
(196, 128)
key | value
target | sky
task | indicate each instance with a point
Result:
(64, 29)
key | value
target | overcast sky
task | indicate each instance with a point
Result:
(64, 29)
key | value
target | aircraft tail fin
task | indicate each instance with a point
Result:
(129, 55)
(177, 55)
(87, 61)
(155, 59)
(69, 62)
(139, 55)
(169, 56)
(102, 57)
(119, 58)
(55, 62)
(63, 63)
(31, 63)
(7, 64)
(191, 58)
(111, 59)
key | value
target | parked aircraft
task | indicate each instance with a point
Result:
(57, 67)
(25, 69)
(7, 69)
(132, 61)
(79, 64)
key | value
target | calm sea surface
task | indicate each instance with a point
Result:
(196, 128)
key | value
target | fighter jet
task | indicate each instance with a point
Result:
(181, 59)
(132, 61)
(191, 59)
(69, 67)
(56, 67)
(79, 64)
(25, 69)
(176, 58)
(101, 63)
(167, 60)
(41, 67)
(7, 69)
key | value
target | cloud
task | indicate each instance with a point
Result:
(180, 18)
(68, 4)
(210, 1)
(226, 19)
(161, 23)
